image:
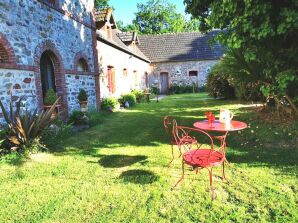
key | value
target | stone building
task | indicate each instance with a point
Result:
(48, 44)
(123, 66)
(180, 58)
(67, 46)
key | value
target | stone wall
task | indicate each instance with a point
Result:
(15, 84)
(119, 60)
(26, 24)
(76, 82)
(179, 71)
(30, 27)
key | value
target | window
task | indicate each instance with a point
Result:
(47, 73)
(3, 55)
(125, 72)
(135, 74)
(146, 80)
(193, 73)
(82, 65)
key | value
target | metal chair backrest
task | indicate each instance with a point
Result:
(186, 136)
(168, 126)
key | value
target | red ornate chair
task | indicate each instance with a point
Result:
(168, 126)
(202, 156)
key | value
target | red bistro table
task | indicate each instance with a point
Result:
(216, 126)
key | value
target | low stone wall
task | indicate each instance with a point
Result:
(76, 82)
(15, 84)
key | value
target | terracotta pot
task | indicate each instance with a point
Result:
(55, 112)
(84, 106)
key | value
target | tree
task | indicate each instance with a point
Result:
(267, 33)
(158, 16)
(101, 3)
(126, 28)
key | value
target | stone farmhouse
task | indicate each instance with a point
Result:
(181, 58)
(67, 45)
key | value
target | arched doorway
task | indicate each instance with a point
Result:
(47, 73)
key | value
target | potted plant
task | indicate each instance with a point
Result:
(49, 100)
(83, 100)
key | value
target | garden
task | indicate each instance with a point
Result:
(114, 165)
(117, 171)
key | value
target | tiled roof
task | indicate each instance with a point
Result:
(128, 36)
(179, 47)
(116, 41)
(102, 14)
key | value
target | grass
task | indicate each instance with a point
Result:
(117, 172)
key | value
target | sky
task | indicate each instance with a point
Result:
(125, 9)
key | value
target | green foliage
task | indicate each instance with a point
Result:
(78, 118)
(56, 133)
(266, 34)
(25, 130)
(130, 98)
(101, 3)
(139, 95)
(158, 16)
(82, 95)
(109, 103)
(218, 86)
(154, 90)
(180, 89)
(50, 97)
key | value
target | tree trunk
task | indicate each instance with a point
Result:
(293, 106)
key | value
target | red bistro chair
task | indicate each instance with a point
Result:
(168, 126)
(200, 157)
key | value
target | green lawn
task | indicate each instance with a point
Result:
(117, 172)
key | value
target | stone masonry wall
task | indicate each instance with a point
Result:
(76, 82)
(28, 23)
(27, 28)
(179, 71)
(15, 84)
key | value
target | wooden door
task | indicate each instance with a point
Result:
(164, 82)
(111, 79)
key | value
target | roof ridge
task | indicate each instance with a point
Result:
(162, 34)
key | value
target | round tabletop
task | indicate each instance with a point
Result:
(220, 127)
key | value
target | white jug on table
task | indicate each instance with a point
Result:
(225, 116)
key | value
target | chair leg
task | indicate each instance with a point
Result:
(223, 170)
(211, 185)
(180, 153)
(182, 177)
(172, 155)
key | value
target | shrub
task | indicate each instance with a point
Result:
(130, 98)
(139, 95)
(82, 95)
(219, 86)
(248, 91)
(154, 90)
(57, 132)
(109, 103)
(25, 130)
(78, 118)
(50, 97)
(180, 89)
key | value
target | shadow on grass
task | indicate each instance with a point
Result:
(117, 161)
(142, 126)
(138, 176)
